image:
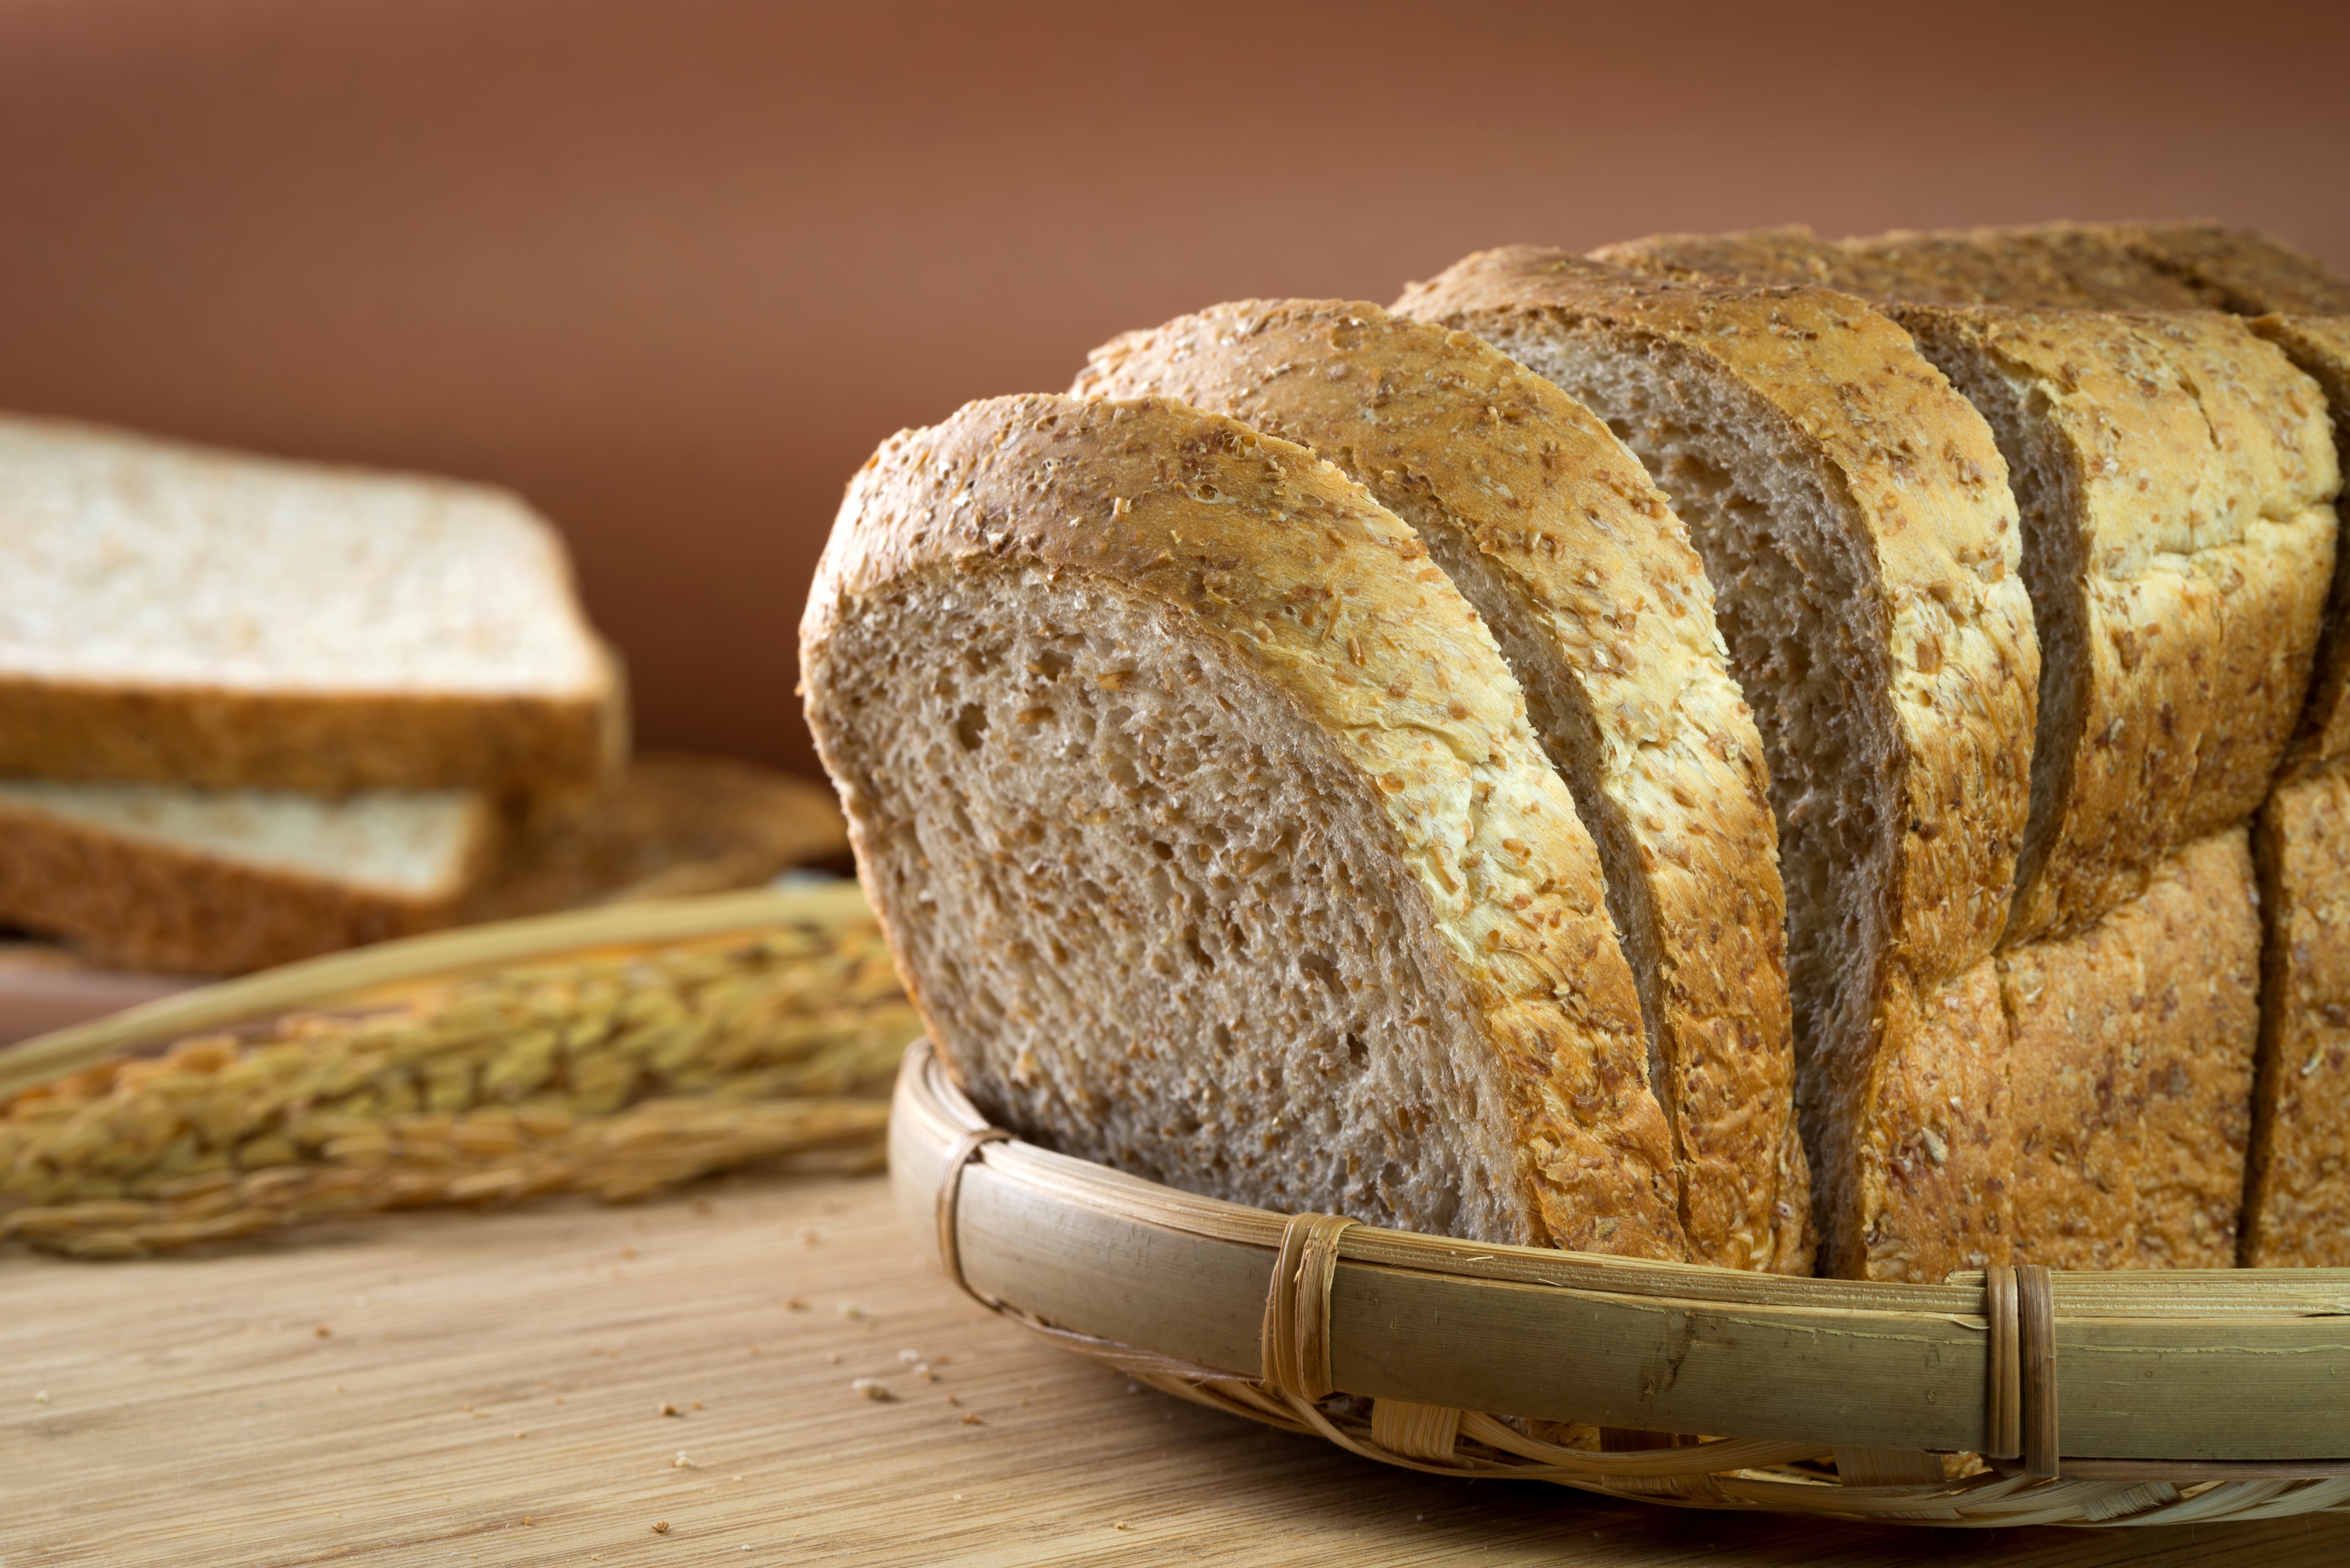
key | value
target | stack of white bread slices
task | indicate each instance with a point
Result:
(1505, 767)
(253, 711)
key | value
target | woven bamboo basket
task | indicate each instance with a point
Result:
(2007, 1396)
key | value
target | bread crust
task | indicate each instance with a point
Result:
(2079, 1102)
(140, 904)
(2240, 270)
(1932, 1140)
(2186, 477)
(2132, 1049)
(2297, 1200)
(1302, 578)
(1464, 443)
(2079, 266)
(2318, 347)
(1920, 471)
(219, 738)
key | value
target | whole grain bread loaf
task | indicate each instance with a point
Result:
(1212, 837)
(184, 616)
(1602, 608)
(1855, 518)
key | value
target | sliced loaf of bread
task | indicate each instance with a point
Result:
(155, 877)
(181, 615)
(1854, 519)
(1212, 838)
(1588, 582)
(2175, 476)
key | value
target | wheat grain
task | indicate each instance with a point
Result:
(616, 1073)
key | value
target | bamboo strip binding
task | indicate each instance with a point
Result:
(938, 1140)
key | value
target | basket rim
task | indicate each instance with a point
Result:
(1094, 1253)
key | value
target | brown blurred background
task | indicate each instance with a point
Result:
(672, 267)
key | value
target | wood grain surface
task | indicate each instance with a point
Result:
(460, 1388)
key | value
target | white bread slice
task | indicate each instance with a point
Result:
(1208, 832)
(1587, 580)
(1853, 516)
(175, 614)
(2175, 476)
(154, 877)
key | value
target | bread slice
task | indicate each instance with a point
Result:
(1587, 580)
(1854, 519)
(2297, 1203)
(669, 825)
(1207, 827)
(154, 877)
(2318, 347)
(2242, 270)
(2131, 1057)
(2175, 476)
(180, 614)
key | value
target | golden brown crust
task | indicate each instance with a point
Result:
(2132, 1055)
(1462, 442)
(1931, 1144)
(2079, 1103)
(1791, 255)
(2318, 347)
(2297, 1201)
(2187, 466)
(141, 904)
(224, 739)
(2242, 270)
(1311, 586)
(1926, 480)
(666, 826)
(2075, 266)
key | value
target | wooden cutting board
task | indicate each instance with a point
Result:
(456, 1388)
